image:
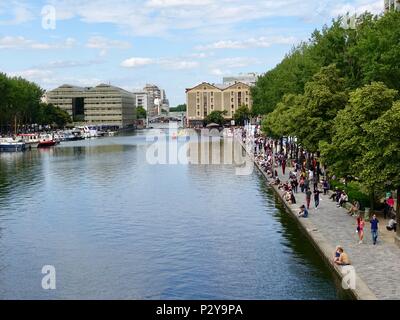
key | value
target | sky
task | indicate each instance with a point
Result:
(175, 44)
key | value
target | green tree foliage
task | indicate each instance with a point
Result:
(242, 114)
(381, 159)
(324, 96)
(141, 113)
(216, 117)
(283, 121)
(362, 55)
(179, 108)
(50, 115)
(344, 155)
(20, 104)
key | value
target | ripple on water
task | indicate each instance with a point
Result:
(116, 227)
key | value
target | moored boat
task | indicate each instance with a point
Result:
(46, 141)
(11, 145)
(30, 139)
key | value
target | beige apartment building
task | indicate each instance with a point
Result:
(206, 98)
(103, 105)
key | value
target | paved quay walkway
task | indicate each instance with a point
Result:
(377, 267)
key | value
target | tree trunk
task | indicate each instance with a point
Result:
(372, 199)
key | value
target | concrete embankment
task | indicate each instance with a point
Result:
(325, 248)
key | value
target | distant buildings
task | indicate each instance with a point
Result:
(104, 105)
(142, 99)
(248, 78)
(205, 98)
(391, 5)
(152, 99)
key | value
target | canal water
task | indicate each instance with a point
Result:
(116, 227)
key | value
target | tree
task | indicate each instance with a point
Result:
(141, 113)
(380, 162)
(344, 155)
(284, 119)
(324, 96)
(179, 108)
(216, 117)
(242, 114)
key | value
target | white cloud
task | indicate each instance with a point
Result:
(62, 64)
(161, 17)
(98, 42)
(10, 42)
(260, 42)
(236, 62)
(20, 13)
(216, 72)
(32, 74)
(358, 7)
(136, 62)
(173, 64)
(177, 3)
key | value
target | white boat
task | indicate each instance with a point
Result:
(30, 139)
(11, 145)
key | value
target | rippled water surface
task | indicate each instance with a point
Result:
(116, 227)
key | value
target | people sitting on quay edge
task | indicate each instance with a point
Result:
(275, 181)
(392, 225)
(335, 195)
(343, 259)
(336, 254)
(343, 199)
(355, 207)
(303, 212)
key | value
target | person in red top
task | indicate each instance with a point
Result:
(390, 202)
(360, 229)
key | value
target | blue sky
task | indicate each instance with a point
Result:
(172, 43)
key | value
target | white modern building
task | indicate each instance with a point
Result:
(157, 100)
(391, 5)
(142, 99)
(247, 78)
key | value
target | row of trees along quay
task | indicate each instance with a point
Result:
(21, 106)
(338, 95)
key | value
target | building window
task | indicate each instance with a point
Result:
(198, 113)
(233, 107)
(212, 94)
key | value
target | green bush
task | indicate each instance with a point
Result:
(354, 191)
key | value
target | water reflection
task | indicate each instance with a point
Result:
(116, 227)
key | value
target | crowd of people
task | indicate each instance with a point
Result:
(304, 179)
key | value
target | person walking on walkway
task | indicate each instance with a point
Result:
(386, 209)
(283, 166)
(374, 229)
(360, 229)
(325, 185)
(316, 198)
(308, 197)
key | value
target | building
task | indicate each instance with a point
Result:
(205, 98)
(103, 105)
(391, 5)
(141, 99)
(157, 100)
(247, 78)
